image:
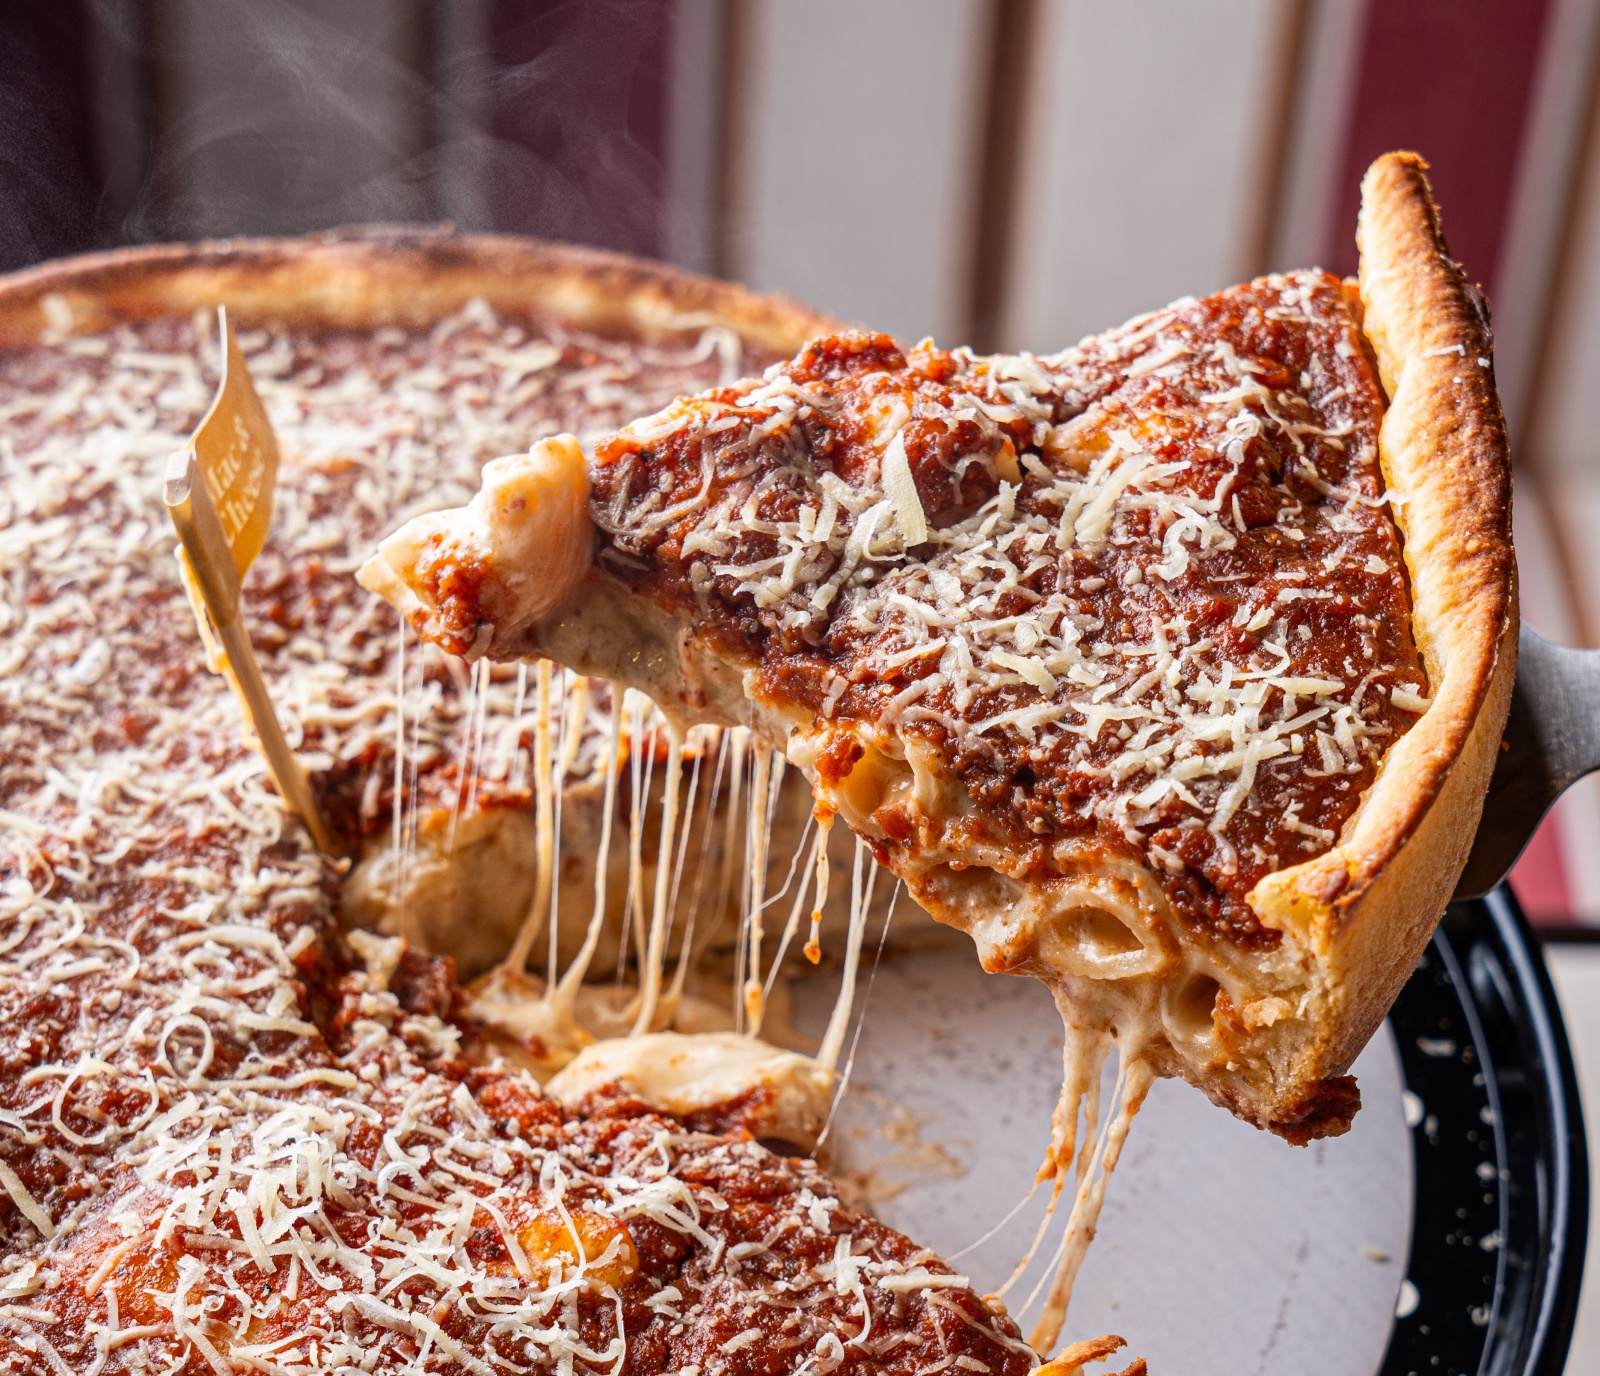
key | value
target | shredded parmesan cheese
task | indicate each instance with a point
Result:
(228, 1139)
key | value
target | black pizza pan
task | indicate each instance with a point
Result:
(1498, 1154)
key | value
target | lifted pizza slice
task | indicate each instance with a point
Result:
(1169, 667)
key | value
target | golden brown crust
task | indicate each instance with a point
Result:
(1369, 907)
(370, 276)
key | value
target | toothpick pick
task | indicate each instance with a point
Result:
(219, 494)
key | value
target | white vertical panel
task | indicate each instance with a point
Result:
(1548, 606)
(694, 143)
(1143, 172)
(1566, 439)
(857, 145)
(1319, 120)
(1541, 582)
(1542, 199)
(1575, 971)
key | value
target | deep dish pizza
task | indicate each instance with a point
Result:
(233, 1137)
(1170, 667)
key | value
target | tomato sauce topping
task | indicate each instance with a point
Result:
(1146, 592)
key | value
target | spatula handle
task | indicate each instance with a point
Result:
(1551, 739)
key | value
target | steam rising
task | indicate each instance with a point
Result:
(220, 117)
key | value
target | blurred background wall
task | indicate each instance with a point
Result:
(1012, 173)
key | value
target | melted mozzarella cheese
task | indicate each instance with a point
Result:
(686, 1074)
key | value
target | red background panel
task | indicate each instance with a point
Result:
(1453, 80)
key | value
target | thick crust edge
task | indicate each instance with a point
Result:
(1368, 908)
(368, 276)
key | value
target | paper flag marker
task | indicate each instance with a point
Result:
(219, 493)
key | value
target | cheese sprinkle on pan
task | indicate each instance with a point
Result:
(229, 1139)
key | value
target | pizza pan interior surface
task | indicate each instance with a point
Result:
(1444, 1233)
